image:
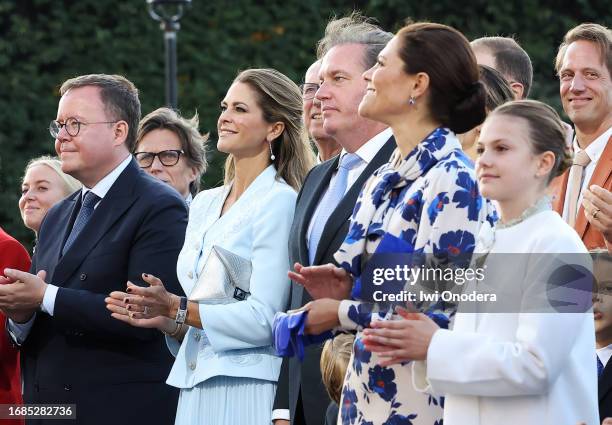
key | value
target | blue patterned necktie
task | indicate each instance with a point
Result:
(600, 367)
(330, 201)
(85, 213)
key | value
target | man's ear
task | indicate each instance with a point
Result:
(121, 132)
(518, 90)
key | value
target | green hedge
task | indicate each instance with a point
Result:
(43, 42)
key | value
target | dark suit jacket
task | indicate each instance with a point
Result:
(305, 378)
(12, 255)
(605, 393)
(115, 373)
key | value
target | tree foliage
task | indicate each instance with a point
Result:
(44, 42)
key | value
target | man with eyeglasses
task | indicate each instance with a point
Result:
(313, 118)
(123, 223)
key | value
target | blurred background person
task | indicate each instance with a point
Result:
(335, 358)
(226, 367)
(498, 91)
(171, 148)
(505, 55)
(12, 255)
(44, 184)
(313, 117)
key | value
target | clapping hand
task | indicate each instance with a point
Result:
(322, 315)
(21, 293)
(144, 307)
(398, 341)
(597, 203)
(326, 281)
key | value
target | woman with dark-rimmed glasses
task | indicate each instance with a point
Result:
(171, 149)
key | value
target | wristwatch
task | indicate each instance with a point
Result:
(181, 313)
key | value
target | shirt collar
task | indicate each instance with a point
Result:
(369, 149)
(604, 354)
(103, 186)
(595, 149)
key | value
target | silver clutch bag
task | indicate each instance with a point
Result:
(225, 278)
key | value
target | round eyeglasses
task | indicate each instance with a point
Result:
(72, 126)
(309, 90)
(168, 158)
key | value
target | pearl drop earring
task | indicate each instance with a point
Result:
(272, 157)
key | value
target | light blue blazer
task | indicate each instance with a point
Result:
(237, 338)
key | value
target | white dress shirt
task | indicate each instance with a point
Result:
(604, 354)
(594, 151)
(20, 331)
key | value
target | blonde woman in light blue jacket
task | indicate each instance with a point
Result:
(225, 364)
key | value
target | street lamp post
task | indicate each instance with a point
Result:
(168, 13)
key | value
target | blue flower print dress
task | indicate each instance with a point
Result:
(427, 203)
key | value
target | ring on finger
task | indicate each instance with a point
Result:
(595, 213)
(146, 311)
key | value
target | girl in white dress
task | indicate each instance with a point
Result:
(520, 363)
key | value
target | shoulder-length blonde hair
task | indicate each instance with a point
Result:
(280, 100)
(70, 183)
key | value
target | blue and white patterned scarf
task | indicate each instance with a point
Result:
(373, 215)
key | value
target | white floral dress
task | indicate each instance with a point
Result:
(427, 203)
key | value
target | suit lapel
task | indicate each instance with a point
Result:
(605, 382)
(601, 174)
(313, 199)
(308, 204)
(118, 199)
(66, 216)
(345, 208)
(560, 188)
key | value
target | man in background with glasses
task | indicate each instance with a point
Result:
(313, 118)
(121, 224)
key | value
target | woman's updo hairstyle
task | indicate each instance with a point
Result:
(546, 131)
(456, 96)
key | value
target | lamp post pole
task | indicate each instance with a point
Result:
(168, 13)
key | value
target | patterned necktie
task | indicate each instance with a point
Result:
(85, 213)
(581, 160)
(600, 367)
(330, 201)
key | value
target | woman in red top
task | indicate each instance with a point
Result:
(12, 255)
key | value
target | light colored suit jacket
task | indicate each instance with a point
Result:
(237, 338)
(602, 176)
